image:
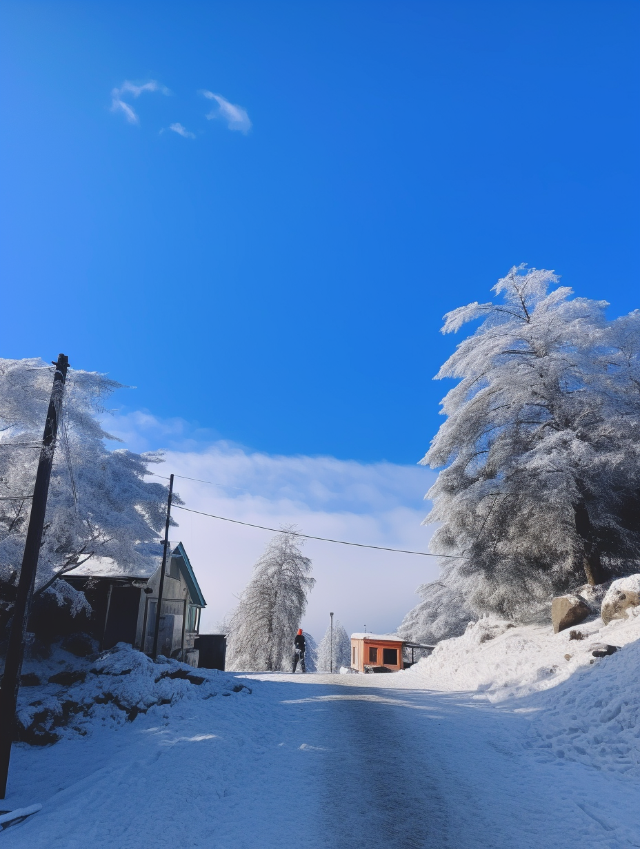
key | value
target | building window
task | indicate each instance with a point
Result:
(151, 618)
(173, 568)
(373, 654)
(193, 618)
(353, 655)
(390, 657)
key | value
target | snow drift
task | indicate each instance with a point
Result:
(581, 707)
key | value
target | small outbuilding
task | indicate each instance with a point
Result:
(384, 652)
(372, 652)
(125, 605)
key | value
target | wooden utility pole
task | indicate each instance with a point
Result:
(156, 630)
(22, 606)
(331, 644)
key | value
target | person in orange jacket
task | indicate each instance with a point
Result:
(299, 648)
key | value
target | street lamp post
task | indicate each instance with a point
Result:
(331, 644)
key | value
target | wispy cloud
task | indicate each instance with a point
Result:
(236, 117)
(134, 90)
(181, 131)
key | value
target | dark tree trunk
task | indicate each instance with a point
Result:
(590, 557)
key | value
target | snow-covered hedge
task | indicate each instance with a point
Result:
(68, 695)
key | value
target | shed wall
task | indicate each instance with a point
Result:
(360, 653)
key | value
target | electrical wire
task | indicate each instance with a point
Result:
(15, 497)
(322, 539)
(306, 536)
(197, 480)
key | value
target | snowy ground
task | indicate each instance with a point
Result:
(360, 761)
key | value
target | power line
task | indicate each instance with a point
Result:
(306, 536)
(322, 539)
(15, 497)
(197, 480)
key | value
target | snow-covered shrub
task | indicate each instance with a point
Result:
(540, 449)
(110, 690)
(263, 627)
(341, 649)
(98, 500)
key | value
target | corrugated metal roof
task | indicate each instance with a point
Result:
(106, 567)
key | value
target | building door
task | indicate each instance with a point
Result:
(170, 630)
(122, 616)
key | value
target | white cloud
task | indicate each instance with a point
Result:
(127, 87)
(236, 117)
(376, 503)
(130, 113)
(181, 131)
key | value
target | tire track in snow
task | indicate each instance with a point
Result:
(377, 790)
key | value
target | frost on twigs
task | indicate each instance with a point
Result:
(442, 613)
(99, 501)
(264, 625)
(539, 456)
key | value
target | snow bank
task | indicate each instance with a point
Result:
(74, 694)
(502, 661)
(581, 708)
(594, 718)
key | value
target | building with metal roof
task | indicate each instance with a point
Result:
(125, 604)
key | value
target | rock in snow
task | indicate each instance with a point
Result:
(621, 595)
(568, 610)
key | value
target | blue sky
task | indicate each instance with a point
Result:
(282, 286)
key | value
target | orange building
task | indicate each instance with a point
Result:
(370, 652)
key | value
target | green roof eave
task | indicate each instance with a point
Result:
(187, 570)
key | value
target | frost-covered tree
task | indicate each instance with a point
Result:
(99, 502)
(341, 649)
(311, 653)
(442, 613)
(541, 446)
(265, 622)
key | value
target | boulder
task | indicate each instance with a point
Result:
(568, 610)
(621, 595)
(604, 650)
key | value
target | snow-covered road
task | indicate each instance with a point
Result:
(316, 761)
